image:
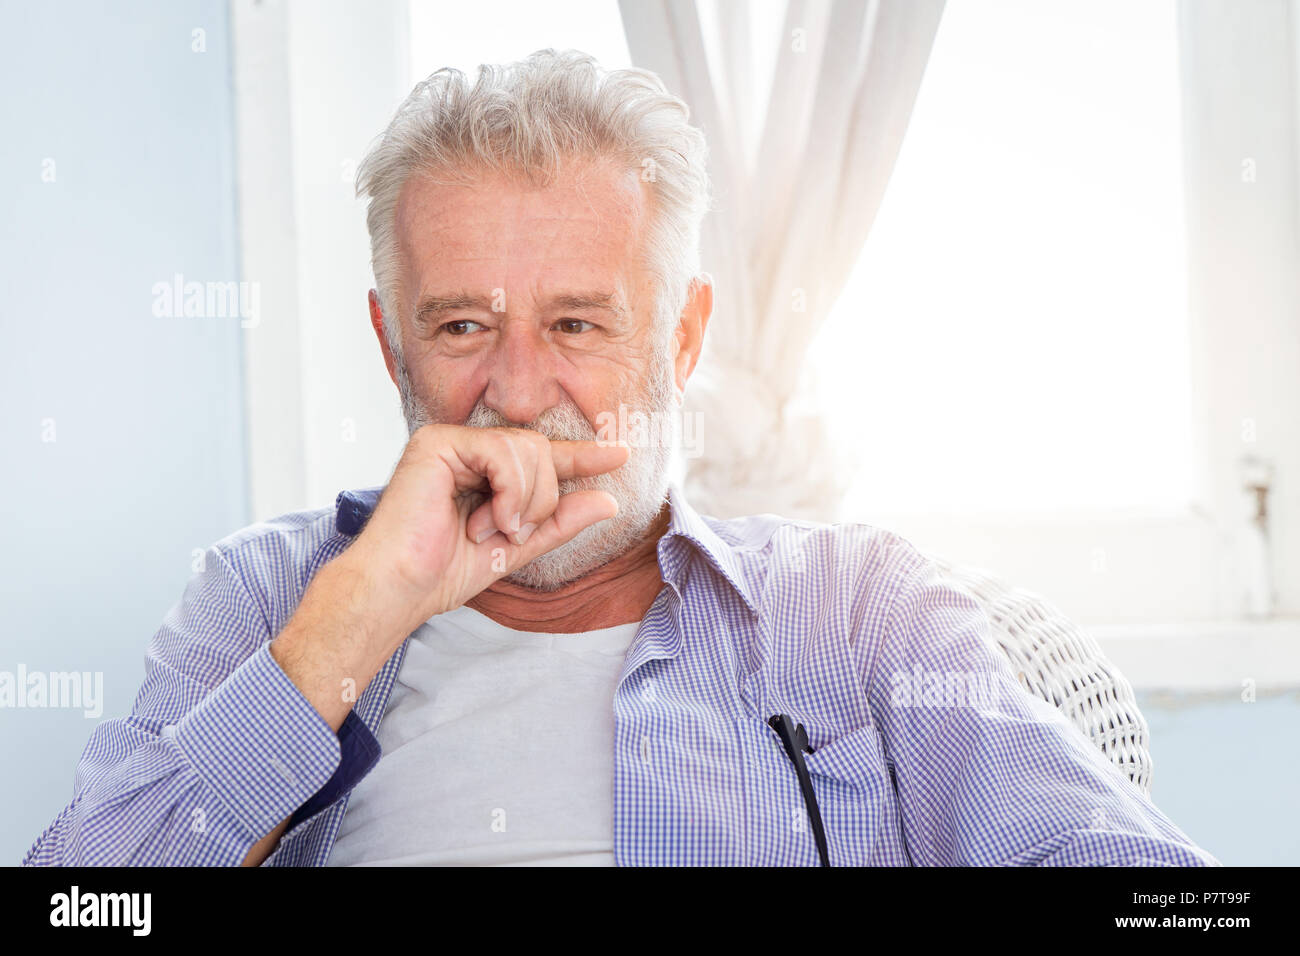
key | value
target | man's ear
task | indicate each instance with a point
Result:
(377, 323)
(691, 326)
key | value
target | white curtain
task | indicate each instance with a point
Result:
(794, 201)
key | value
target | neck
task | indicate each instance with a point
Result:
(619, 592)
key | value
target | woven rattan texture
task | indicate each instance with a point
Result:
(1057, 661)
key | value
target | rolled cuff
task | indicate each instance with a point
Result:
(259, 743)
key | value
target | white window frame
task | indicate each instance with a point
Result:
(314, 84)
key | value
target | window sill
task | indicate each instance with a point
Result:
(1205, 655)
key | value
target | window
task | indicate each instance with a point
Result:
(1015, 334)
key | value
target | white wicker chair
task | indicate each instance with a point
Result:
(1060, 663)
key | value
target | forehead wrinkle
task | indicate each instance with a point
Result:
(499, 199)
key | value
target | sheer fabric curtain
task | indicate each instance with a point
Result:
(794, 201)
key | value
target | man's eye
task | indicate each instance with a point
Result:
(573, 326)
(458, 326)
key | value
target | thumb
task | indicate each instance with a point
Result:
(574, 512)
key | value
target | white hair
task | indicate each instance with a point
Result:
(526, 119)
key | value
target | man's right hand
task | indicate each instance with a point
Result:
(464, 507)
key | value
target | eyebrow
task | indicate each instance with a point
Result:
(433, 306)
(576, 301)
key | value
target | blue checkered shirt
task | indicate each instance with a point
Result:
(846, 628)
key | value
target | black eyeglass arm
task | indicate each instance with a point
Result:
(795, 740)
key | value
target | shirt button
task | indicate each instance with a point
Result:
(289, 776)
(645, 749)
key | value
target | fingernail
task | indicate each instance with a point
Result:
(514, 522)
(483, 535)
(525, 532)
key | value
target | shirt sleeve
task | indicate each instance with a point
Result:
(986, 773)
(220, 747)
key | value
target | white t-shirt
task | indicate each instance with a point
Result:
(498, 749)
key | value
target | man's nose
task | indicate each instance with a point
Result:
(521, 380)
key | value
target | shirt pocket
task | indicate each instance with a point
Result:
(855, 796)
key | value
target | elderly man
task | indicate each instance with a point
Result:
(529, 649)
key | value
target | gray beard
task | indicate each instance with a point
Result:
(640, 485)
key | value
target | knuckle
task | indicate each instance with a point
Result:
(529, 443)
(510, 454)
(425, 437)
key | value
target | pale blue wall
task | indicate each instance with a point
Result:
(1227, 772)
(148, 461)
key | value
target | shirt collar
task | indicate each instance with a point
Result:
(353, 508)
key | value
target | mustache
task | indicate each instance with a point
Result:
(563, 422)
